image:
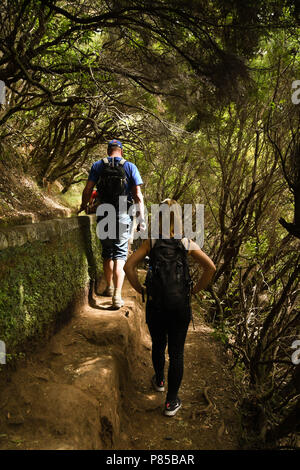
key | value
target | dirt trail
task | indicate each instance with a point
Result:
(89, 388)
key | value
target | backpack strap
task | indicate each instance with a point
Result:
(186, 242)
(121, 162)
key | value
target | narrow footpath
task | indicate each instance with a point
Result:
(89, 388)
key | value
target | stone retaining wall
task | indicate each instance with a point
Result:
(44, 268)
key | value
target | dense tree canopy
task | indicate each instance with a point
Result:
(200, 93)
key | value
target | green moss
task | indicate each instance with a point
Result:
(40, 280)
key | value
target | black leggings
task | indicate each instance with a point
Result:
(168, 328)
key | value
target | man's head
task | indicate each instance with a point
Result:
(115, 147)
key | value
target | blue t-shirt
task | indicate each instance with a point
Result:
(133, 176)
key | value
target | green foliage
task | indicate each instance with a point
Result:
(222, 334)
(200, 94)
(72, 197)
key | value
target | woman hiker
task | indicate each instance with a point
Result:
(168, 309)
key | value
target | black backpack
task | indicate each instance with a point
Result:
(112, 181)
(168, 282)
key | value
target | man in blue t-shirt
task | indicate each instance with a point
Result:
(114, 251)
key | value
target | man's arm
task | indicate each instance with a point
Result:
(139, 200)
(86, 195)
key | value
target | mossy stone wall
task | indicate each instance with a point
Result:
(44, 268)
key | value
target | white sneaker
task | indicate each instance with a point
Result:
(117, 302)
(159, 387)
(172, 407)
(109, 291)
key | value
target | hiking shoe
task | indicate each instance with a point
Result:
(109, 292)
(159, 387)
(171, 407)
(117, 302)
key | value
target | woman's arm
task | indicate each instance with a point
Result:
(132, 262)
(206, 263)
